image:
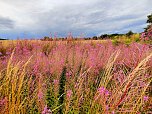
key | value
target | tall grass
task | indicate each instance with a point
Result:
(75, 77)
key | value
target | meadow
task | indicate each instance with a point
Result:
(75, 77)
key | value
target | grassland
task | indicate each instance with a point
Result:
(75, 77)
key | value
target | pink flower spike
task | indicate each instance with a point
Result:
(146, 38)
(46, 110)
(146, 98)
(107, 107)
(101, 90)
(55, 82)
(69, 93)
(49, 111)
(113, 112)
(107, 93)
(40, 95)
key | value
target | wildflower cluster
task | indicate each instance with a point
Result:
(147, 35)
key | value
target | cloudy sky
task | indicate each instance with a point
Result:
(38, 18)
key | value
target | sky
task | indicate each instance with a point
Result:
(83, 18)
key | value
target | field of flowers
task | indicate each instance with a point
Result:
(61, 77)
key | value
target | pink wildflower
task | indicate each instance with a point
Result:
(1, 53)
(46, 110)
(145, 98)
(40, 95)
(69, 93)
(8, 53)
(107, 93)
(113, 112)
(142, 35)
(3, 101)
(146, 38)
(55, 82)
(68, 74)
(101, 90)
(107, 107)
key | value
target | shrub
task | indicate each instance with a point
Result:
(116, 42)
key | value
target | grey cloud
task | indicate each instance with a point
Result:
(6, 23)
(68, 18)
(99, 16)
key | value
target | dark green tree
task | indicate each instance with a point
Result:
(104, 36)
(147, 34)
(95, 38)
(149, 20)
(130, 33)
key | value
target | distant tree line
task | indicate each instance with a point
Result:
(46, 38)
(110, 36)
(101, 37)
(3, 39)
